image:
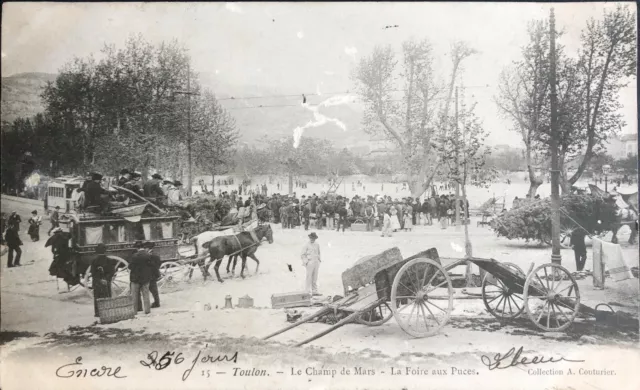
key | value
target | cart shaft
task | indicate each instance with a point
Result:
(344, 321)
(348, 319)
(321, 312)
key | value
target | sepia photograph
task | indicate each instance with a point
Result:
(319, 195)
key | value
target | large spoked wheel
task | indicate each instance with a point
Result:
(551, 297)
(422, 297)
(120, 281)
(376, 316)
(171, 275)
(499, 299)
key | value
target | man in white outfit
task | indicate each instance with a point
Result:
(311, 261)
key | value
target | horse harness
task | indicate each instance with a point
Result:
(254, 237)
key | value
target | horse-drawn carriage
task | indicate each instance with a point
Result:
(85, 231)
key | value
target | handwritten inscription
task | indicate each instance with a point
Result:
(72, 370)
(501, 361)
(170, 357)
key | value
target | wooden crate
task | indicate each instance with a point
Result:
(291, 299)
(359, 227)
(116, 309)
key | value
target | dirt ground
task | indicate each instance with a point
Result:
(43, 323)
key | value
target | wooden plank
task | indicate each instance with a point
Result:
(363, 272)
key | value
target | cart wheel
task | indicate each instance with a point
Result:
(551, 297)
(500, 300)
(376, 316)
(171, 275)
(416, 288)
(120, 281)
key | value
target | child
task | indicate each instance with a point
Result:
(408, 222)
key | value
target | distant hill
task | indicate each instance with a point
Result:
(21, 98)
(21, 94)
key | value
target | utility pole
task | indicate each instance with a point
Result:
(555, 173)
(188, 93)
(190, 177)
(458, 167)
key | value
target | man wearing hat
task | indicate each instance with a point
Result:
(125, 176)
(94, 194)
(311, 261)
(13, 242)
(155, 267)
(141, 273)
(54, 219)
(102, 271)
(152, 188)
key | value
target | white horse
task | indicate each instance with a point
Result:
(202, 240)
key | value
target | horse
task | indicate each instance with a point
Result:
(243, 244)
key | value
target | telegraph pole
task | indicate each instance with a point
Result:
(188, 93)
(555, 173)
(458, 167)
(189, 179)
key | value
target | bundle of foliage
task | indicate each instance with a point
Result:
(531, 221)
(207, 210)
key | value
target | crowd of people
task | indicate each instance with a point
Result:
(330, 211)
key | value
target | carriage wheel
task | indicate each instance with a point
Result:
(500, 300)
(120, 281)
(376, 316)
(551, 297)
(416, 288)
(171, 275)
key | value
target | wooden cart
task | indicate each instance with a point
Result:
(416, 291)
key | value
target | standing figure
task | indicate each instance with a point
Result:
(369, 216)
(395, 223)
(155, 267)
(386, 225)
(408, 222)
(34, 226)
(13, 242)
(311, 261)
(102, 271)
(141, 272)
(54, 219)
(341, 216)
(579, 248)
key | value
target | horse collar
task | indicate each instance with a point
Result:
(254, 237)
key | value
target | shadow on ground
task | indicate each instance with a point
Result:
(603, 333)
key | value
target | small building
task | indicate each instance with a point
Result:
(623, 146)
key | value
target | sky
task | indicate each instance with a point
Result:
(297, 47)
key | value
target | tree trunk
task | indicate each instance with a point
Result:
(213, 182)
(468, 249)
(534, 181)
(290, 183)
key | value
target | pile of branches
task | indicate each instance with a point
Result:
(207, 210)
(531, 221)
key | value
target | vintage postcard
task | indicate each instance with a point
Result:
(319, 195)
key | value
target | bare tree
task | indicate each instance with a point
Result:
(409, 122)
(523, 96)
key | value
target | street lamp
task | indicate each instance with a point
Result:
(606, 169)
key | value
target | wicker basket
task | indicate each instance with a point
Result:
(116, 309)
